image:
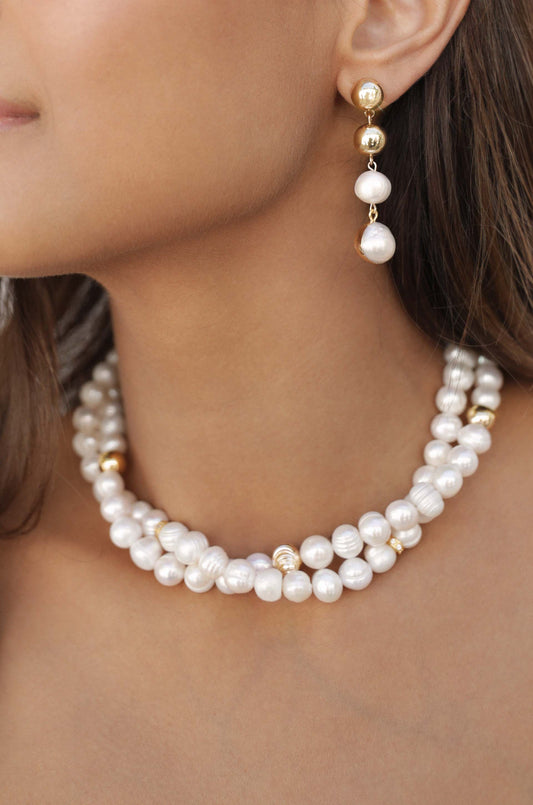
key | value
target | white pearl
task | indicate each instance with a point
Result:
(490, 398)
(355, 573)
(461, 355)
(372, 187)
(110, 408)
(259, 561)
(401, 514)
(483, 359)
(464, 458)
(426, 499)
(85, 444)
(168, 570)
(213, 561)
(268, 584)
(124, 531)
(410, 537)
(116, 506)
(116, 442)
(190, 546)
(222, 585)
(239, 575)
(380, 557)
(297, 586)
(458, 376)
(445, 427)
(109, 482)
(139, 509)
(170, 533)
(150, 519)
(378, 243)
(145, 552)
(436, 452)
(475, 436)
(104, 374)
(84, 419)
(374, 528)
(347, 541)
(111, 425)
(447, 480)
(489, 376)
(327, 585)
(112, 356)
(316, 551)
(90, 468)
(196, 579)
(423, 473)
(91, 394)
(450, 401)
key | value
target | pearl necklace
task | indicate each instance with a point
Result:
(175, 553)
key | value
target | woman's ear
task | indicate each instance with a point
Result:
(393, 42)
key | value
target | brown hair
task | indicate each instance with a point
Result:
(459, 151)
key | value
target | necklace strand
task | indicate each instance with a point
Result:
(177, 554)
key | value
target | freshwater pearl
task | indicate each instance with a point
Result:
(380, 557)
(139, 509)
(445, 427)
(91, 394)
(401, 514)
(84, 419)
(108, 483)
(213, 561)
(374, 528)
(475, 436)
(239, 575)
(268, 584)
(111, 425)
(168, 571)
(458, 376)
(488, 397)
(124, 531)
(355, 573)
(436, 452)
(447, 479)
(423, 473)
(145, 552)
(115, 506)
(372, 187)
(327, 585)
(150, 519)
(259, 561)
(190, 546)
(489, 376)
(464, 458)
(427, 500)
(297, 586)
(170, 533)
(316, 551)
(104, 374)
(222, 585)
(450, 401)
(85, 444)
(410, 537)
(116, 442)
(90, 468)
(460, 355)
(377, 243)
(346, 541)
(196, 579)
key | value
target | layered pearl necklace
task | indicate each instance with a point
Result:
(177, 554)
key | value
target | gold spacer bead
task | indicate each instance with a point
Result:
(481, 415)
(369, 139)
(286, 557)
(367, 94)
(395, 543)
(112, 460)
(159, 526)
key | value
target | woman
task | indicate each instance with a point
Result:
(178, 196)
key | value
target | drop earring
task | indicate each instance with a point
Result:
(374, 242)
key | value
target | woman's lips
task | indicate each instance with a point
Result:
(16, 114)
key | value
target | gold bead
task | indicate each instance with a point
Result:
(367, 94)
(369, 139)
(159, 526)
(481, 415)
(395, 543)
(112, 460)
(286, 557)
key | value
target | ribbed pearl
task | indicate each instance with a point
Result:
(346, 541)
(490, 398)
(297, 586)
(145, 552)
(168, 571)
(426, 499)
(108, 483)
(170, 533)
(377, 243)
(327, 585)
(259, 561)
(355, 573)
(401, 514)
(447, 480)
(450, 401)
(380, 557)
(316, 551)
(410, 537)
(436, 452)
(104, 374)
(475, 436)
(464, 458)
(372, 187)
(139, 509)
(458, 376)
(239, 575)
(222, 585)
(90, 468)
(213, 561)
(124, 531)
(460, 355)
(196, 579)
(490, 376)
(85, 444)
(423, 474)
(115, 442)
(374, 528)
(268, 584)
(445, 427)
(190, 546)
(85, 419)
(116, 506)
(91, 394)
(151, 519)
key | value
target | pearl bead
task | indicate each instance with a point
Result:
(297, 586)
(374, 528)
(346, 541)
(124, 531)
(112, 356)
(222, 585)
(85, 444)
(376, 243)
(450, 401)
(445, 427)
(458, 376)
(410, 537)
(380, 557)
(196, 579)
(436, 452)
(401, 514)
(108, 483)
(464, 458)
(213, 561)
(170, 533)
(488, 397)
(90, 468)
(489, 376)
(115, 442)
(111, 425)
(475, 436)
(260, 561)
(460, 355)
(355, 573)
(139, 509)
(372, 187)
(190, 546)
(327, 585)
(268, 584)
(116, 506)
(239, 575)
(91, 394)
(426, 499)
(316, 551)
(150, 519)
(84, 419)
(168, 571)
(111, 409)
(104, 374)
(423, 473)
(447, 480)
(145, 552)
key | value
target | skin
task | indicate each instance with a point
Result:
(197, 160)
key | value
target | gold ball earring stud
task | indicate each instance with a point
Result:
(367, 95)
